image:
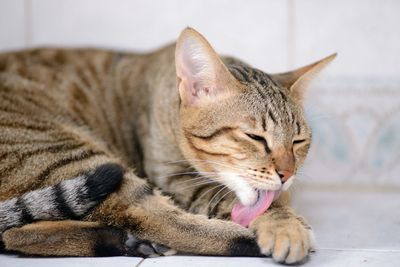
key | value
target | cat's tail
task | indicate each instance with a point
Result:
(69, 199)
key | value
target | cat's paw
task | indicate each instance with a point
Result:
(284, 236)
(143, 248)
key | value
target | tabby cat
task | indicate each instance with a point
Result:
(179, 150)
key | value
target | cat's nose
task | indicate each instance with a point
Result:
(284, 163)
(284, 175)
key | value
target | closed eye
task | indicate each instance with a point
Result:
(298, 141)
(260, 139)
(255, 137)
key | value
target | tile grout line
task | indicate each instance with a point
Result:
(140, 262)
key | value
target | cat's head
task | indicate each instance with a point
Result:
(240, 125)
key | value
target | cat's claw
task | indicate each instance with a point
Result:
(143, 248)
(288, 239)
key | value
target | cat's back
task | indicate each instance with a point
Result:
(70, 83)
(54, 77)
(49, 65)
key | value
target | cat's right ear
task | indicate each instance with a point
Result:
(202, 77)
(297, 81)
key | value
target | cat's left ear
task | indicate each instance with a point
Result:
(298, 80)
(201, 75)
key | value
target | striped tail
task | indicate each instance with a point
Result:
(69, 199)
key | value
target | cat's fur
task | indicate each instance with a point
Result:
(168, 117)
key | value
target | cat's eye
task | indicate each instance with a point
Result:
(260, 139)
(255, 137)
(298, 141)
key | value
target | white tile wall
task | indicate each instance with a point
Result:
(366, 34)
(12, 24)
(261, 26)
(356, 130)
(354, 107)
(268, 34)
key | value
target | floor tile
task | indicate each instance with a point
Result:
(362, 220)
(340, 258)
(178, 261)
(15, 261)
(326, 258)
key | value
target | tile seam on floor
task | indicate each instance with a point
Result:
(140, 262)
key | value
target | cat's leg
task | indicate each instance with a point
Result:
(280, 232)
(78, 238)
(283, 234)
(134, 206)
(151, 216)
(65, 238)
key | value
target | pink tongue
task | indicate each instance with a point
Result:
(243, 215)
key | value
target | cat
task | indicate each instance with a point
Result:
(178, 150)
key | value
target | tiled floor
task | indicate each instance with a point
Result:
(352, 229)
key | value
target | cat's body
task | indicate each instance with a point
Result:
(64, 113)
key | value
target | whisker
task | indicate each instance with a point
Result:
(198, 184)
(204, 161)
(183, 173)
(230, 173)
(212, 188)
(233, 200)
(191, 180)
(216, 194)
(219, 200)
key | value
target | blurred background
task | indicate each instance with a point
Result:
(354, 106)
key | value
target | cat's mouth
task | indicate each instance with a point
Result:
(245, 214)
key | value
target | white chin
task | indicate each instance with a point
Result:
(246, 193)
(247, 198)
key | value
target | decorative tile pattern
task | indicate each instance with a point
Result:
(356, 133)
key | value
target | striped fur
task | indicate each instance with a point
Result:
(192, 132)
(69, 199)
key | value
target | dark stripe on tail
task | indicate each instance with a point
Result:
(62, 205)
(26, 216)
(104, 180)
(69, 199)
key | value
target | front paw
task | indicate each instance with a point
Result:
(283, 235)
(143, 248)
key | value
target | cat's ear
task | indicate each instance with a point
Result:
(297, 81)
(201, 75)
